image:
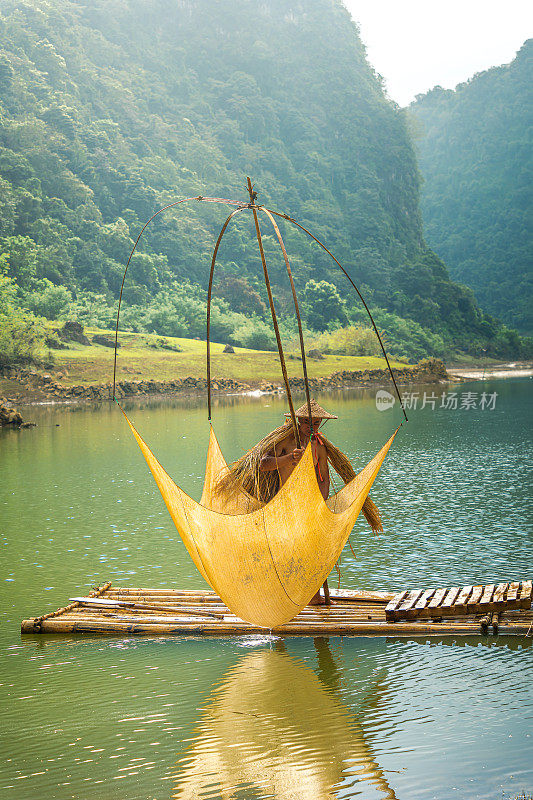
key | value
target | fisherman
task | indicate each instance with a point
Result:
(263, 470)
(286, 454)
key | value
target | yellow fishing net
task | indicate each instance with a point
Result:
(265, 562)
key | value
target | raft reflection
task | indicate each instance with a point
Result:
(273, 728)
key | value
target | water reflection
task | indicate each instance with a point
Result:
(275, 728)
(104, 718)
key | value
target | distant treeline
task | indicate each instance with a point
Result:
(112, 109)
(476, 156)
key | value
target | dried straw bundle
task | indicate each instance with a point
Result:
(245, 473)
(342, 466)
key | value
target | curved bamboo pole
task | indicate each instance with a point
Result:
(209, 293)
(165, 208)
(269, 212)
(273, 312)
(323, 246)
(297, 310)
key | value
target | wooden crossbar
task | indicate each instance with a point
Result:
(456, 601)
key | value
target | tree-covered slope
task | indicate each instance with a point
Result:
(476, 151)
(111, 109)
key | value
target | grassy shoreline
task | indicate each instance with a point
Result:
(155, 365)
(143, 356)
(151, 364)
(150, 357)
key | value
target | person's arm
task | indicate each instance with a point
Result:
(270, 463)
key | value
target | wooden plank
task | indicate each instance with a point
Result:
(475, 597)
(437, 598)
(410, 600)
(406, 609)
(488, 591)
(525, 594)
(496, 601)
(499, 593)
(398, 599)
(433, 608)
(428, 604)
(391, 609)
(424, 599)
(459, 607)
(499, 596)
(513, 590)
(450, 598)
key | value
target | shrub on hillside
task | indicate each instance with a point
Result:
(256, 335)
(48, 300)
(21, 333)
(349, 341)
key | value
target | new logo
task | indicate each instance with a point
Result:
(384, 400)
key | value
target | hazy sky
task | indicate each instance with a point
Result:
(418, 44)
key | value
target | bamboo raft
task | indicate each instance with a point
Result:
(175, 612)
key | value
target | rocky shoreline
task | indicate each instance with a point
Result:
(41, 387)
(10, 416)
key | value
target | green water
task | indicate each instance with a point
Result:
(264, 717)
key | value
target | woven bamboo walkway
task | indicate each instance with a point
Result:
(173, 612)
(459, 601)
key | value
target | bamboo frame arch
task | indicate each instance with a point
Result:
(323, 246)
(254, 207)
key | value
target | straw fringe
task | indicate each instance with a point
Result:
(246, 474)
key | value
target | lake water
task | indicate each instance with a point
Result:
(264, 717)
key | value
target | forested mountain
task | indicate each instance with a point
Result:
(476, 151)
(111, 109)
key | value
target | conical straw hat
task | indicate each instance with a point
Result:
(317, 412)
